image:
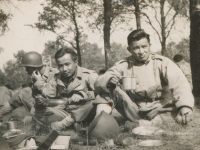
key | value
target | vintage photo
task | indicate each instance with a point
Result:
(99, 74)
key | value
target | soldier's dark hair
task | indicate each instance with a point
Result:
(62, 51)
(137, 35)
(178, 57)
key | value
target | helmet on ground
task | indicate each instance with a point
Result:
(32, 59)
(103, 126)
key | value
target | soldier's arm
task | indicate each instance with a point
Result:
(47, 85)
(178, 84)
(92, 77)
(101, 84)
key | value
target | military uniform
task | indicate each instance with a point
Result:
(158, 81)
(5, 94)
(47, 84)
(25, 97)
(185, 67)
(82, 83)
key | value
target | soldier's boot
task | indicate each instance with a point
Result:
(63, 124)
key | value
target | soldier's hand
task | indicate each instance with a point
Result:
(184, 116)
(40, 101)
(114, 80)
(75, 98)
(36, 75)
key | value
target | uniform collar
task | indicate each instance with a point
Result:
(78, 75)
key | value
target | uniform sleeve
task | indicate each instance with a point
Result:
(47, 86)
(90, 77)
(178, 84)
(91, 81)
(102, 80)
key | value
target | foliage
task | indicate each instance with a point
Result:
(92, 56)
(181, 48)
(118, 51)
(64, 18)
(16, 75)
(50, 49)
(4, 17)
(119, 15)
(164, 18)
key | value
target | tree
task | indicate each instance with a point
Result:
(174, 9)
(137, 13)
(107, 16)
(51, 47)
(16, 75)
(119, 51)
(64, 18)
(92, 56)
(3, 21)
(4, 17)
(107, 24)
(195, 45)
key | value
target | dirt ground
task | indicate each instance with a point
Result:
(187, 140)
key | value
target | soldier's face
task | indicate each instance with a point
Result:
(66, 65)
(30, 70)
(140, 49)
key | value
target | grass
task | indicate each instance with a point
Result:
(173, 142)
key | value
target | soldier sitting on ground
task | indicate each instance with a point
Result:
(43, 83)
(75, 94)
(159, 83)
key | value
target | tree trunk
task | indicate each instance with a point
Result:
(163, 34)
(107, 24)
(137, 13)
(195, 45)
(77, 35)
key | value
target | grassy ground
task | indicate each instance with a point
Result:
(188, 141)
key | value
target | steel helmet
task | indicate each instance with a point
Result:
(32, 59)
(103, 126)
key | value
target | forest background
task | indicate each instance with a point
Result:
(96, 29)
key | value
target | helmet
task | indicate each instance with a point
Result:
(32, 59)
(103, 126)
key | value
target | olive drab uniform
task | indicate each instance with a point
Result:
(82, 83)
(158, 81)
(25, 97)
(47, 85)
(5, 94)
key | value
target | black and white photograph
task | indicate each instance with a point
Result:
(99, 74)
